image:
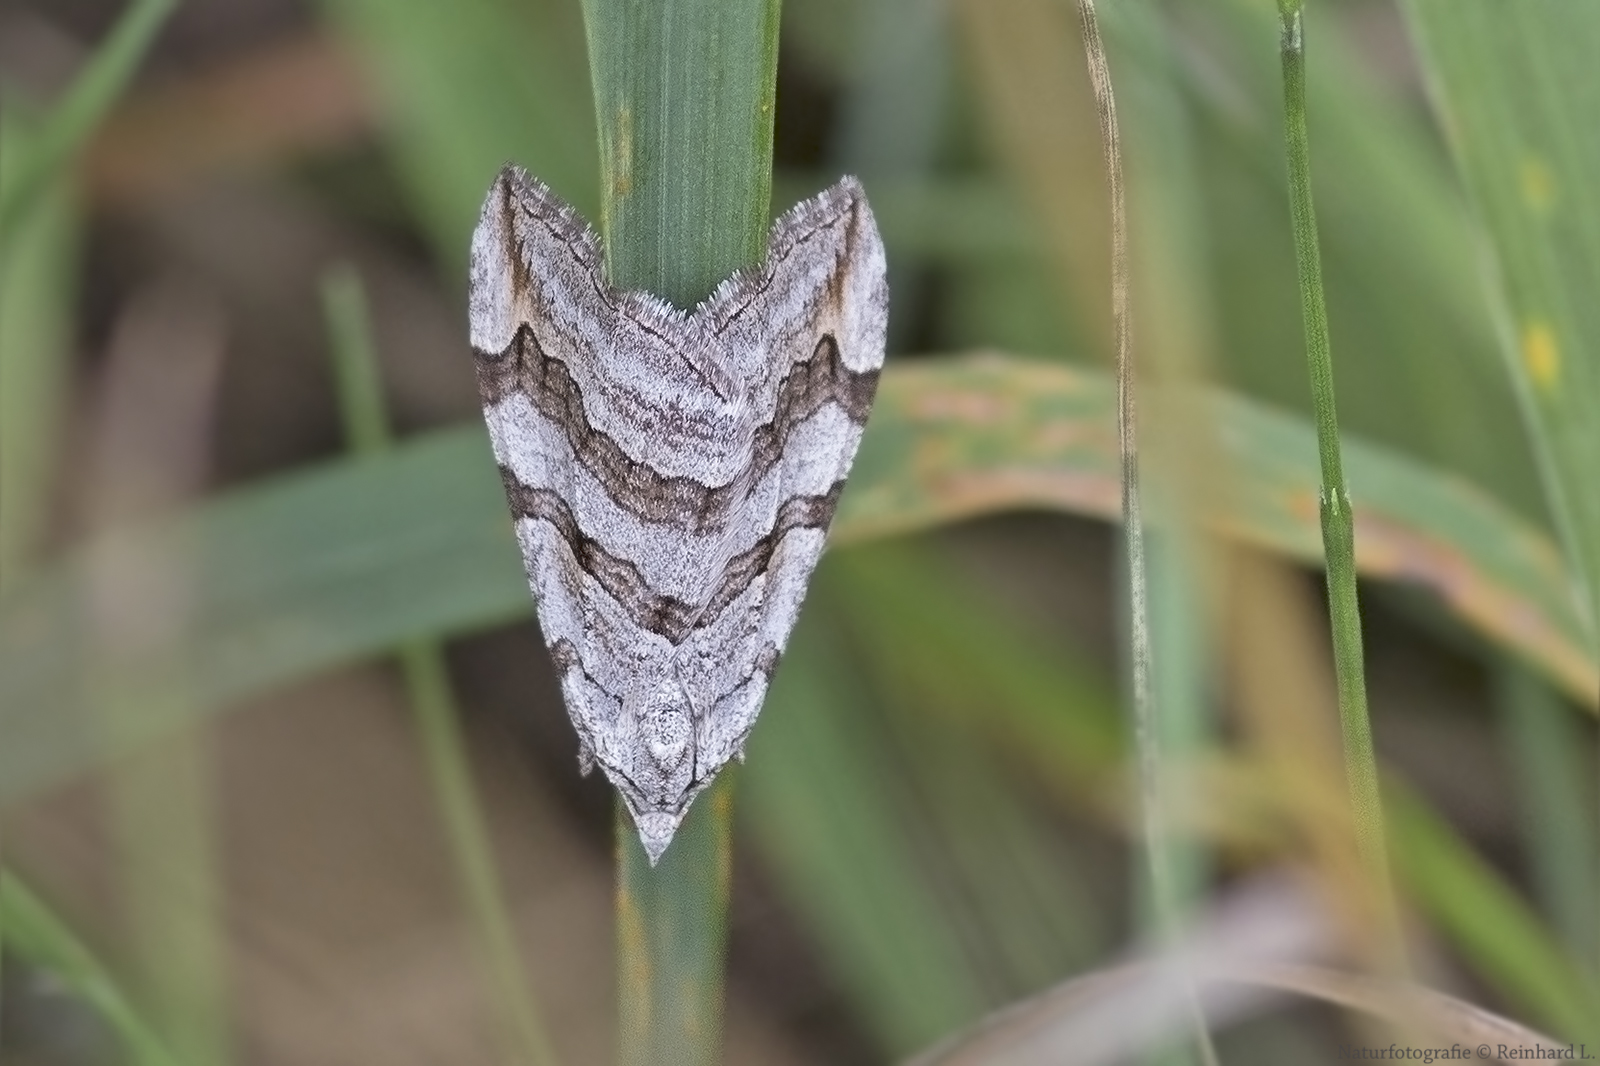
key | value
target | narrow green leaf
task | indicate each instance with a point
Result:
(39, 936)
(85, 104)
(1515, 90)
(37, 293)
(433, 703)
(672, 925)
(1548, 757)
(1490, 924)
(684, 95)
(828, 818)
(1515, 86)
(357, 378)
(684, 98)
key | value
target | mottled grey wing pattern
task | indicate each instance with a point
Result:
(671, 475)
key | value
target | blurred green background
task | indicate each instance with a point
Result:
(219, 832)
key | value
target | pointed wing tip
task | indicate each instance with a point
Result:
(513, 176)
(545, 203)
(511, 257)
(850, 187)
(843, 196)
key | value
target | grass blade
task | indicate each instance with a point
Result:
(39, 936)
(1515, 87)
(1493, 927)
(1546, 751)
(842, 850)
(433, 705)
(684, 100)
(672, 924)
(684, 96)
(36, 299)
(1164, 891)
(91, 95)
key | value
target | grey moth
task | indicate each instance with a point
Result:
(671, 475)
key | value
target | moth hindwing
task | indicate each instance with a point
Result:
(671, 475)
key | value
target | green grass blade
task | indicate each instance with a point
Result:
(827, 817)
(80, 111)
(1546, 750)
(358, 381)
(684, 96)
(36, 299)
(349, 559)
(438, 724)
(1492, 926)
(433, 704)
(39, 936)
(1515, 87)
(672, 924)
(684, 100)
(945, 644)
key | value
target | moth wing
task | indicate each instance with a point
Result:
(534, 297)
(806, 331)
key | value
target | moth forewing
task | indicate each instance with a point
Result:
(671, 475)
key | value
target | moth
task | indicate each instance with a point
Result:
(671, 475)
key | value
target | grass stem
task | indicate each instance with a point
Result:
(39, 936)
(1147, 726)
(433, 707)
(1338, 521)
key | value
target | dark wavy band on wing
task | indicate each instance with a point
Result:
(666, 616)
(637, 487)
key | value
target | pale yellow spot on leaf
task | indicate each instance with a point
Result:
(1541, 355)
(1538, 185)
